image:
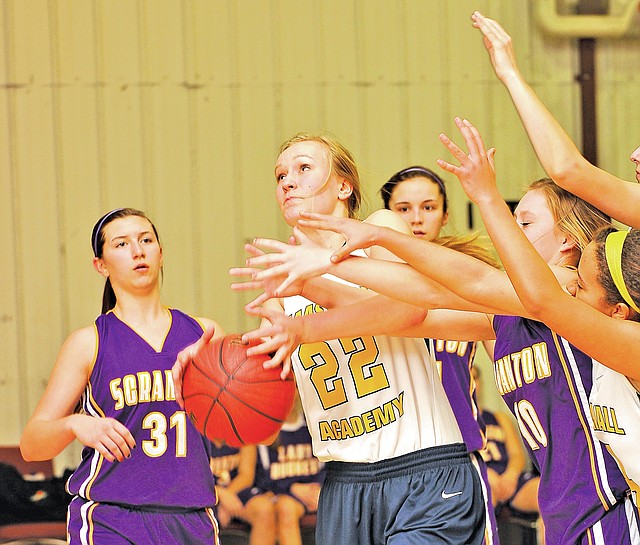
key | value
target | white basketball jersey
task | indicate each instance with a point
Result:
(370, 398)
(615, 409)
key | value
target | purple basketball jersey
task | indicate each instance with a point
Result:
(454, 360)
(545, 382)
(132, 383)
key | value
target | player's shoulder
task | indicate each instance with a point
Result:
(388, 218)
(80, 345)
(83, 336)
(208, 323)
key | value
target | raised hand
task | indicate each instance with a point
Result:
(288, 265)
(357, 234)
(106, 435)
(184, 358)
(476, 171)
(269, 285)
(498, 44)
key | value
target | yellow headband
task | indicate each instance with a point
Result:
(613, 251)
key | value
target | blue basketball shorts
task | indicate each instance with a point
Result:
(432, 496)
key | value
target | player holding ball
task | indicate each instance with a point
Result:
(397, 468)
(144, 476)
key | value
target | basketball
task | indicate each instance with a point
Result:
(231, 397)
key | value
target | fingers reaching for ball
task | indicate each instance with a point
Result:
(185, 356)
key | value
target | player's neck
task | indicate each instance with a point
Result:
(140, 311)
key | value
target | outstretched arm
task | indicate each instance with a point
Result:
(559, 156)
(293, 269)
(613, 342)
(470, 279)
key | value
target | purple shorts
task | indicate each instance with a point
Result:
(94, 523)
(618, 527)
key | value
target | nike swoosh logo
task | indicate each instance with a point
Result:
(446, 496)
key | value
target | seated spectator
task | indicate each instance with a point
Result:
(238, 499)
(288, 470)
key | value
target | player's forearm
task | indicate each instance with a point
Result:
(469, 278)
(377, 315)
(331, 294)
(44, 440)
(559, 156)
(534, 282)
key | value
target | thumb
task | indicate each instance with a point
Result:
(342, 252)
(491, 152)
(208, 334)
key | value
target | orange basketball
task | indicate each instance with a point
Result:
(231, 397)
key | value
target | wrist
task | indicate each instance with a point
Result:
(302, 330)
(511, 77)
(489, 199)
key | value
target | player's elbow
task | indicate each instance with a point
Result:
(567, 171)
(536, 304)
(414, 316)
(27, 451)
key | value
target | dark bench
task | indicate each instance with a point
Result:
(50, 533)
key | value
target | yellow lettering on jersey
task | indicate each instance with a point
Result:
(452, 347)
(130, 387)
(356, 426)
(605, 419)
(345, 429)
(143, 387)
(309, 309)
(170, 389)
(504, 375)
(158, 386)
(326, 431)
(367, 422)
(116, 393)
(523, 367)
(541, 358)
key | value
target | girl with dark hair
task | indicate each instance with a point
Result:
(144, 476)
(419, 196)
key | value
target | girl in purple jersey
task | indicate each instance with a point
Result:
(419, 196)
(608, 274)
(144, 476)
(581, 503)
(581, 314)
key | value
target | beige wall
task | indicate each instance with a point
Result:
(177, 107)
